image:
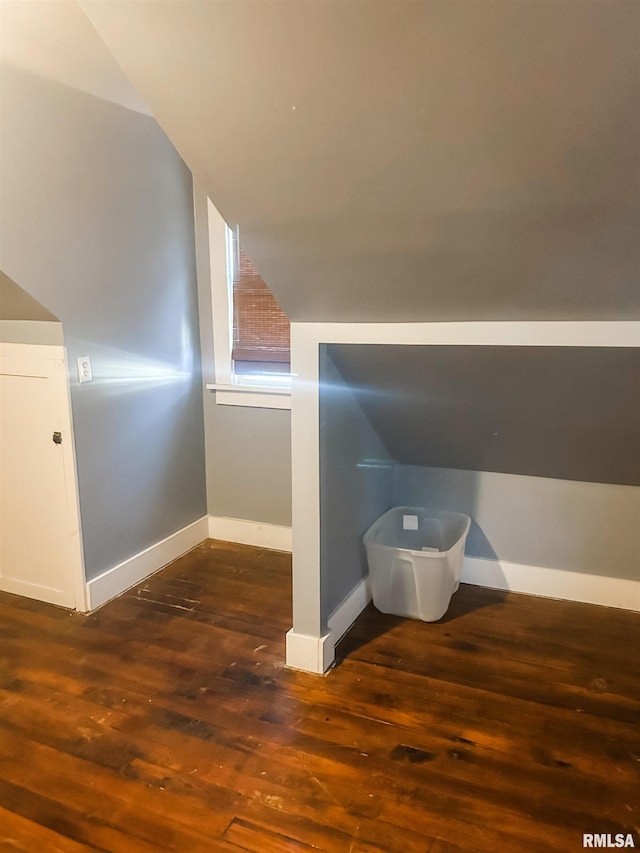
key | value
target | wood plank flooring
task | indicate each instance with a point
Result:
(166, 721)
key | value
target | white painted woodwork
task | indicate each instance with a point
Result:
(120, 578)
(306, 339)
(274, 536)
(40, 554)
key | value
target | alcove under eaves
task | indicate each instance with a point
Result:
(538, 444)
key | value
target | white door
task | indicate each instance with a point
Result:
(40, 554)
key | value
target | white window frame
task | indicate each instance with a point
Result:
(232, 389)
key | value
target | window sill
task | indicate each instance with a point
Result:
(248, 395)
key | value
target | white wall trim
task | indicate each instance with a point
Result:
(120, 578)
(228, 388)
(316, 654)
(561, 333)
(349, 609)
(311, 654)
(245, 395)
(305, 480)
(37, 592)
(247, 532)
(71, 487)
(552, 583)
(220, 303)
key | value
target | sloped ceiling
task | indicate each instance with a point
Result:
(408, 160)
(17, 304)
(55, 40)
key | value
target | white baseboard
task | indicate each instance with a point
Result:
(246, 532)
(496, 574)
(316, 654)
(310, 654)
(552, 583)
(118, 579)
(349, 609)
(60, 597)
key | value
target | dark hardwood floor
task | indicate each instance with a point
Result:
(166, 721)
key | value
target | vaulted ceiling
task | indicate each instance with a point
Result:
(407, 160)
(56, 41)
(392, 160)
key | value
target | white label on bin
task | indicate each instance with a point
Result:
(409, 522)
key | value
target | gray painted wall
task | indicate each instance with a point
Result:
(531, 410)
(248, 450)
(564, 412)
(536, 521)
(97, 224)
(248, 462)
(356, 485)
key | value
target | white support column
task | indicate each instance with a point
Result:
(309, 644)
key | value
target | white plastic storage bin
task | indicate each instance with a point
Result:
(415, 560)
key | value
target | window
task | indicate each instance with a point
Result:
(251, 332)
(261, 338)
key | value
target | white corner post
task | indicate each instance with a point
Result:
(310, 645)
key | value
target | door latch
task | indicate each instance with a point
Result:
(57, 438)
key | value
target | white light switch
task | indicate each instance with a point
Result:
(409, 522)
(84, 369)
